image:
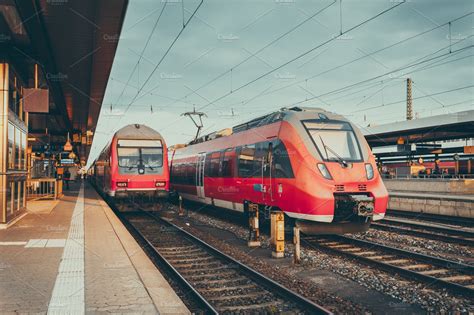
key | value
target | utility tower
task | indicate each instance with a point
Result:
(409, 100)
(196, 117)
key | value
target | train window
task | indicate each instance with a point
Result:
(261, 152)
(228, 163)
(281, 161)
(190, 174)
(215, 163)
(207, 165)
(246, 164)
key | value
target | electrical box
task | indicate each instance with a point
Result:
(278, 234)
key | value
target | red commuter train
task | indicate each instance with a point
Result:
(133, 164)
(314, 165)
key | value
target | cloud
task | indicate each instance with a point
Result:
(223, 34)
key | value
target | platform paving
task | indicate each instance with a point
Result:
(76, 257)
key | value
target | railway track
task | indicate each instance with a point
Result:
(428, 217)
(437, 272)
(220, 283)
(427, 230)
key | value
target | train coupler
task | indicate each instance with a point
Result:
(365, 205)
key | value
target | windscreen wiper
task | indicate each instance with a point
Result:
(339, 158)
(151, 168)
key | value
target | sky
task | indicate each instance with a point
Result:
(236, 60)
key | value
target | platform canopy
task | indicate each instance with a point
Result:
(74, 42)
(452, 126)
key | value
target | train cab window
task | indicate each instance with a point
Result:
(128, 157)
(152, 157)
(246, 161)
(335, 140)
(228, 163)
(133, 154)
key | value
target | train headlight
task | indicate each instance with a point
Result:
(122, 184)
(160, 184)
(324, 171)
(369, 170)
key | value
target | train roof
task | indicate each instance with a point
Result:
(265, 120)
(137, 130)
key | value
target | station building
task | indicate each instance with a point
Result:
(55, 61)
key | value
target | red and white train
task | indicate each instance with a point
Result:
(133, 164)
(314, 165)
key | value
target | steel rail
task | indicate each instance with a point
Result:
(431, 217)
(426, 231)
(428, 279)
(273, 286)
(209, 309)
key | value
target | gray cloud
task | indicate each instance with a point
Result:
(224, 32)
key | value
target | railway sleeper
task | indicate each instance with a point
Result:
(186, 248)
(396, 261)
(246, 300)
(238, 287)
(417, 266)
(434, 272)
(219, 282)
(178, 255)
(192, 265)
(218, 266)
(211, 274)
(241, 297)
(188, 260)
(457, 278)
(236, 291)
(270, 307)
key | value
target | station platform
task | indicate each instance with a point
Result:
(74, 256)
(445, 204)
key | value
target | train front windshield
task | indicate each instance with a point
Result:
(334, 140)
(135, 155)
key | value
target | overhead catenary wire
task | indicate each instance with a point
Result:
(368, 55)
(259, 51)
(415, 98)
(299, 56)
(303, 54)
(380, 76)
(143, 51)
(164, 55)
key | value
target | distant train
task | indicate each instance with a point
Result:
(133, 164)
(314, 165)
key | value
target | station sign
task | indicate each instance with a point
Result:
(36, 100)
(67, 161)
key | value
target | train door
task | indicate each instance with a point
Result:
(267, 180)
(200, 175)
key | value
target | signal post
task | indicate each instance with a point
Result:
(254, 230)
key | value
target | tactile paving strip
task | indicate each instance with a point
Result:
(68, 292)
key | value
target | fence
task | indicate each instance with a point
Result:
(43, 188)
(432, 176)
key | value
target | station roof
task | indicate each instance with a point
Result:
(74, 41)
(451, 126)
